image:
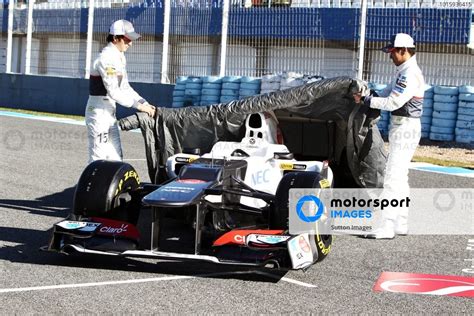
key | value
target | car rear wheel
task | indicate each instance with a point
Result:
(280, 214)
(106, 189)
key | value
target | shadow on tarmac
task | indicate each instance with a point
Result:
(28, 251)
(29, 241)
(57, 204)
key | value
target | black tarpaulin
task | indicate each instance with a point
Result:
(331, 99)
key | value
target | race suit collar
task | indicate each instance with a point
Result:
(409, 63)
(113, 47)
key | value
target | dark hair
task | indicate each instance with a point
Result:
(411, 51)
(111, 38)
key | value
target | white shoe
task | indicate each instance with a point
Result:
(386, 231)
(401, 226)
(401, 230)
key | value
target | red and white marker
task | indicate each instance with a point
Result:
(427, 284)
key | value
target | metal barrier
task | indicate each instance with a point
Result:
(239, 37)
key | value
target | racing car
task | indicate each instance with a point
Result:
(227, 206)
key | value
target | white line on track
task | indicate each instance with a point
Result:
(285, 279)
(269, 275)
(169, 278)
(64, 120)
(65, 286)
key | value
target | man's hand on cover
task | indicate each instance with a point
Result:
(147, 108)
(357, 97)
(360, 99)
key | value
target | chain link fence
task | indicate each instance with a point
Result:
(259, 43)
(194, 38)
(442, 43)
(240, 37)
(57, 45)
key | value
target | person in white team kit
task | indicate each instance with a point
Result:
(404, 99)
(108, 85)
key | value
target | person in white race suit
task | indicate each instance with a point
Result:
(404, 99)
(108, 85)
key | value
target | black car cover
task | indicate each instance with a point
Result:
(174, 129)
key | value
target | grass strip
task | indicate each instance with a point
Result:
(74, 117)
(443, 162)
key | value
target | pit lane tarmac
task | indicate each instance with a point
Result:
(37, 184)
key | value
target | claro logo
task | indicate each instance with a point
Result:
(239, 239)
(114, 230)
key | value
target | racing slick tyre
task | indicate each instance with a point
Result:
(279, 216)
(108, 189)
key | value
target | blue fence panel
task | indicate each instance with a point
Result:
(425, 25)
(444, 26)
(136, 15)
(190, 21)
(103, 18)
(57, 20)
(275, 23)
(340, 24)
(4, 21)
(60, 21)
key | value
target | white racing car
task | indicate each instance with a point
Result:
(228, 206)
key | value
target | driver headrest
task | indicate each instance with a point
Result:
(261, 127)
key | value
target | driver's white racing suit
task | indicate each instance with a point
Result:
(108, 85)
(404, 99)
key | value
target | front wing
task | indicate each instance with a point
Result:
(252, 247)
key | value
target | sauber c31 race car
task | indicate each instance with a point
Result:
(228, 206)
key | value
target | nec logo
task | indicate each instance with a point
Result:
(260, 177)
